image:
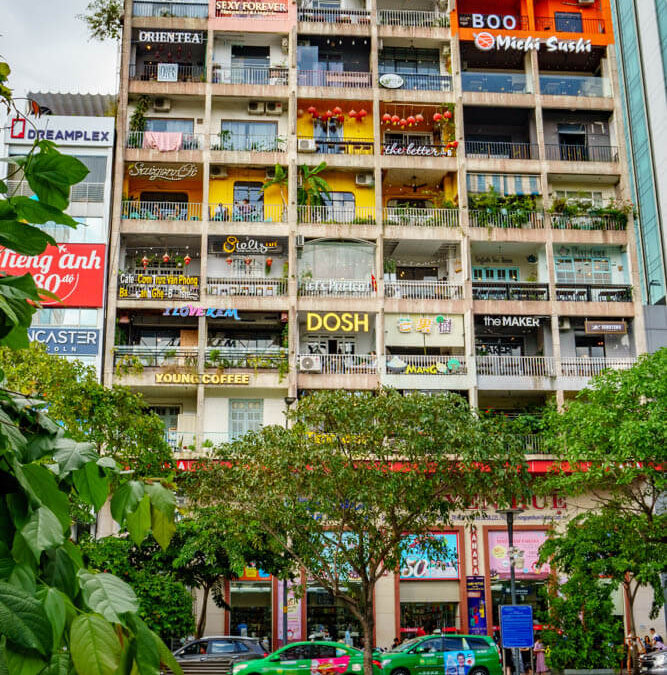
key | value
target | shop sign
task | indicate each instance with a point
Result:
(210, 312)
(391, 81)
(425, 324)
(397, 366)
(158, 286)
(250, 245)
(73, 272)
(583, 252)
(606, 327)
(167, 72)
(512, 321)
(67, 340)
(528, 542)
(202, 378)
(332, 322)
(474, 549)
(172, 37)
(486, 41)
(294, 624)
(223, 7)
(254, 574)
(63, 130)
(162, 171)
(417, 565)
(494, 21)
(476, 605)
(416, 150)
(327, 286)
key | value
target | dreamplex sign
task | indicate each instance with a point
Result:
(486, 41)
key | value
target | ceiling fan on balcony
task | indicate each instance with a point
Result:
(414, 185)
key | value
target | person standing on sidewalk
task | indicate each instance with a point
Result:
(540, 660)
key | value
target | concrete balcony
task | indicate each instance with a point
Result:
(574, 85)
(228, 142)
(533, 444)
(160, 146)
(522, 292)
(404, 222)
(516, 372)
(246, 359)
(501, 150)
(334, 85)
(338, 371)
(412, 18)
(168, 10)
(423, 290)
(353, 152)
(333, 215)
(337, 288)
(271, 76)
(590, 293)
(505, 219)
(247, 294)
(162, 211)
(151, 73)
(403, 371)
(244, 213)
(582, 153)
(188, 442)
(576, 372)
(128, 357)
(496, 83)
(345, 17)
(575, 25)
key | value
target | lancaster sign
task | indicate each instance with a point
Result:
(67, 340)
(487, 42)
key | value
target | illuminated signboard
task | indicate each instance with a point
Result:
(334, 322)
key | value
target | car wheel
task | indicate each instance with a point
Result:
(400, 671)
(479, 671)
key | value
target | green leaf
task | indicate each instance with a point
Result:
(125, 500)
(139, 521)
(43, 484)
(166, 657)
(23, 577)
(94, 646)
(23, 620)
(108, 595)
(54, 606)
(6, 561)
(24, 238)
(92, 486)
(162, 526)
(60, 571)
(147, 655)
(162, 499)
(72, 455)
(60, 664)
(36, 212)
(19, 663)
(51, 174)
(43, 530)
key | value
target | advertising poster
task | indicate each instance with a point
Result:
(459, 663)
(416, 563)
(294, 628)
(476, 605)
(527, 541)
(73, 272)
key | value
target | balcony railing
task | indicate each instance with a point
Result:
(516, 366)
(339, 364)
(152, 72)
(219, 357)
(574, 25)
(261, 287)
(81, 192)
(412, 18)
(395, 149)
(590, 293)
(164, 141)
(465, 21)
(185, 10)
(187, 440)
(328, 78)
(320, 215)
(244, 75)
(423, 290)
(336, 288)
(586, 222)
(334, 15)
(590, 366)
(573, 85)
(169, 285)
(242, 143)
(533, 444)
(483, 290)
(154, 357)
(496, 83)
(246, 213)
(134, 210)
(582, 153)
(399, 216)
(425, 364)
(425, 81)
(340, 146)
(500, 150)
(510, 219)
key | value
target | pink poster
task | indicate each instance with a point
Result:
(332, 666)
(528, 543)
(294, 629)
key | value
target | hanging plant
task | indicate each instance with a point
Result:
(137, 119)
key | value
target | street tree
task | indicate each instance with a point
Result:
(104, 19)
(354, 474)
(610, 443)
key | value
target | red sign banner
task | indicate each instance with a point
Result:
(73, 272)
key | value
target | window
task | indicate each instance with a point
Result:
(477, 644)
(89, 231)
(406, 139)
(502, 274)
(245, 415)
(248, 201)
(430, 646)
(169, 124)
(246, 135)
(241, 647)
(223, 647)
(168, 414)
(568, 22)
(296, 653)
(65, 317)
(339, 207)
(97, 168)
(409, 61)
(195, 649)
(325, 344)
(593, 198)
(590, 346)
(322, 652)
(453, 644)
(583, 270)
(160, 339)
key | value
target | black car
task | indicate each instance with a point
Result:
(223, 650)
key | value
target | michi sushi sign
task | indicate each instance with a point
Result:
(487, 42)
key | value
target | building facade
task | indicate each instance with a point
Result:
(474, 236)
(75, 269)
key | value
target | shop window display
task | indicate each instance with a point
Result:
(427, 616)
(251, 609)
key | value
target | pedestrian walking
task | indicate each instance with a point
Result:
(526, 665)
(540, 660)
(509, 661)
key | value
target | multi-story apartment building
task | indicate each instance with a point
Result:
(75, 270)
(473, 237)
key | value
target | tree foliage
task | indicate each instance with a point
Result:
(338, 491)
(104, 19)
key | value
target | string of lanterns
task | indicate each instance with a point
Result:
(150, 258)
(414, 120)
(335, 113)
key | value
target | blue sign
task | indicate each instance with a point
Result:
(76, 341)
(516, 626)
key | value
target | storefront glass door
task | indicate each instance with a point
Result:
(251, 614)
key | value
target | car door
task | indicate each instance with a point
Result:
(295, 660)
(222, 651)
(456, 659)
(328, 660)
(193, 652)
(429, 657)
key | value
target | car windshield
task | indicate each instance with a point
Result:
(406, 645)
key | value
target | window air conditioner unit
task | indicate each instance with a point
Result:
(364, 179)
(300, 241)
(161, 105)
(310, 363)
(256, 108)
(306, 145)
(274, 108)
(284, 45)
(218, 171)
(564, 323)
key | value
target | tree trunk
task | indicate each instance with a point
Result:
(367, 626)
(201, 622)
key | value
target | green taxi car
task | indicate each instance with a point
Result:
(308, 658)
(443, 655)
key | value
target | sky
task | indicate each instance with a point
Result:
(48, 49)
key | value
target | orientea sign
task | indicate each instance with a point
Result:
(225, 7)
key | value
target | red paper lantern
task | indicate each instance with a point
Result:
(269, 262)
(145, 261)
(447, 114)
(395, 119)
(337, 110)
(230, 261)
(312, 110)
(187, 260)
(328, 114)
(411, 120)
(437, 117)
(455, 144)
(341, 118)
(386, 118)
(353, 113)
(299, 112)
(248, 261)
(362, 113)
(419, 118)
(166, 258)
(403, 121)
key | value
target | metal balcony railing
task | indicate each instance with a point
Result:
(516, 366)
(425, 364)
(246, 213)
(414, 217)
(425, 81)
(186, 441)
(81, 192)
(582, 153)
(351, 79)
(465, 21)
(352, 215)
(590, 366)
(593, 293)
(586, 222)
(271, 359)
(154, 357)
(334, 15)
(233, 286)
(574, 85)
(412, 18)
(164, 141)
(500, 150)
(337, 288)
(483, 290)
(340, 146)
(576, 24)
(136, 210)
(495, 83)
(339, 364)
(185, 10)
(151, 72)
(533, 444)
(423, 290)
(405, 149)
(510, 219)
(272, 75)
(241, 143)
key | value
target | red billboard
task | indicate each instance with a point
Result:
(73, 272)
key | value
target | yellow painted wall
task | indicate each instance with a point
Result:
(221, 190)
(344, 182)
(449, 186)
(352, 129)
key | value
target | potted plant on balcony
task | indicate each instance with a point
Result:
(137, 123)
(389, 267)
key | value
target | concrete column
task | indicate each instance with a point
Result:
(292, 185)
